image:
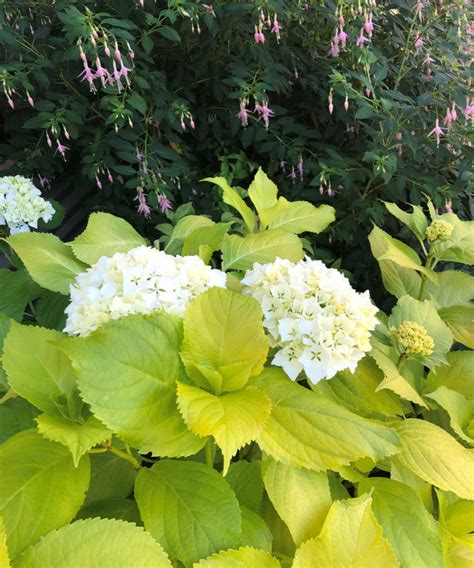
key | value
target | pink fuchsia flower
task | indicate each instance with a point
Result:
(368, 25)
(101, 72)
(192, 124)
(283, 166)
(265, 113)
(209, 9)
(428, 60)
(300, 167)
(346, 104)
(142, 208)
(437, 131)
(361, 40)
(107, 50)
(276, 28)
(368, 92)
(419, 42)
(341, 20)
(66, 133)
(342, 37)
(124, 71)
(61, 148)
(11, 104)
(469, 110)
(48, 140)
(98, 182)
(89, 76)
(449, 118)
(164, 203)
(293, 174)
(30, 100)
(448, 206)
(258, 35)
(109, 176)
(398, 136)
(419, 7)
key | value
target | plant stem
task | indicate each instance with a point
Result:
(424, 278)
(209, 453)
(7, 396)
(125, 456)
(401, 360)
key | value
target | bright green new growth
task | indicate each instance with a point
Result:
(412, 338)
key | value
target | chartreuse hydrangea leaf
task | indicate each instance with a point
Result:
(457, 375)
(241, 558)
(189, 508)
(460, 551)
(240, 253)
(307, 430)
(255, 531)
(298, 216)
(301, 497)
(453, 288)
(112, 477)
(460, 320)
(413, 533)
(183, 229)
(399, 472)
(127, 372)
(77, 437)
(424, 314)
(105, 235)
(16, 289)
(232, 198)
(245, 478)
(50, 262)
(416, 221)
(206, 240)
(233, 419)
(397, 280)
(96, 543)
(38, 370)
(359, 391)
(4, 558)
(455, 515)
(262, 192)
(41, 489)
(436, 457)
(224, 340)
(16, 415)
(459, 409)
(459, 246)
(282, 542)
(398, 252)
(115, 508)
(350, 538)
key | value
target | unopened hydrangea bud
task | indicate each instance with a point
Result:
(439, 230)
(413, 338)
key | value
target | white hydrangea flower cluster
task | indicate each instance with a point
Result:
(137, 282)
(319, 322)
(21, 204)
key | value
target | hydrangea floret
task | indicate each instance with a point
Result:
(318, 322)
(413, 339)
(21, 204)
(137, 282)
(439, 230)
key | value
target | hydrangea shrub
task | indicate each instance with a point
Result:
(170, 434)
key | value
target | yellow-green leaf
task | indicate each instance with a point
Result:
(105, 235)
(300, 496)
(436, 457)
(460, 320)
(415, 221)
(262, 191)
(4, 558)
(457, 375)
(255, 531)
(240, 253)
(298, 216)
(459, 409)
(224, 340)
(245, 557)
(77, 437)
(350, 538)
(453, 288)
(233, 419)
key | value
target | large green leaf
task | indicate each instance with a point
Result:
(4, 556)
(424, 314)
(240, 253)
(416, 221)
(115, 508)
(282, 542)
(40, 490)
(436, 457)
(127, 372)
(300, 496)
(16, 289)
(262, 191)
(457, 375)
(397, 280)
(455, 515)
(183, 229)
(50, 262)
(244, 557)
(255, 531)
(38, 370)
(350, 538)
(460, 320)
(232, 198)
(189, 508)
(358, 391)
(298, 216)
(96, 543)
(206, 240)
(307, 430)
(77, 437)
(233, 419)
(16, 415)
(452, 288)
(459, 247)
(459, 409)
(224, 340)
(105, 235)
(399, 510)
(50, 310)
(245, 478)
(112, 477)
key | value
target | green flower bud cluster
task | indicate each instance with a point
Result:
(413, 338)
(439, 230)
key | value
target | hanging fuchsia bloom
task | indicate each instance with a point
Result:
(276, 28)
(182, 123)
(101, 72)
(361, 40)
(342, 37)
(454, 114)
(124, 71)
(368, 25)
(437, 131)
(31, 102)
(341, 20)
(346, 104)
(398, 136)
(449, 118)
(142, 208)
(48, 140)
(192, 124)
(258, 35)
(419, 42)
(11, 104)
(330, 106)
(334, 50)
(61, 148)
(107, 50)
(469, 110)
(419, 10)
(66, 133)
(109, 176)
(368, 92)
(448, 206)
(265, 113)
(164, 203)
(283, 166)
(300, 167)
(98, 182)
(321, 189)
(293, 175)
(116, 76)
(209, 9)
(88, 75)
